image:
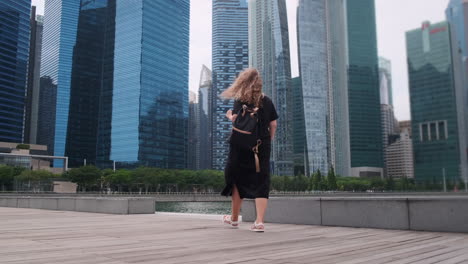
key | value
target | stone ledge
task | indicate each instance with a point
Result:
(83, 204)
(425, 213)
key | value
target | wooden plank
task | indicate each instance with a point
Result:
(37, 236)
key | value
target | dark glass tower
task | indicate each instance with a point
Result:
(434, 116)
(363, 90)
(14, 53)
(34, 71)
(89, 77)
(299, 131)
(229, 57)
(115, 76)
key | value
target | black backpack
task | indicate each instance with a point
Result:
(245, 131)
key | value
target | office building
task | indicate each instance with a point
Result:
(114, 75)
(323, 62)
(229, 57)
(205, 115)
(388, 120)
(399, 155)
(34, 67)
(193, 132)
(363, 90)
(457, 17)
(269, 53)
(14, 54)
(433, 96)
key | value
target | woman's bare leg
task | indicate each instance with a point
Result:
(260, 205)
(236, 203)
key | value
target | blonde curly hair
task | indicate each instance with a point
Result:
(246, 88)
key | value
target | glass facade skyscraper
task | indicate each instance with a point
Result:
(340, 156)
(323, 58)
(363, 90)
(434, 116)
(229, 57)
(205, 96)
(150, 95)
(14, 54)
(34, 72)
(59, 37)
(314, 67)
(299, 138)
(193, 160)
(269, 53)
(390, 128)
(115, 74)
(457, 16)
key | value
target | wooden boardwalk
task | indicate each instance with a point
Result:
(40, 236)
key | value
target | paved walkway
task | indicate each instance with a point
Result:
(40, 236)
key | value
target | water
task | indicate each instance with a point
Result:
(220, 208)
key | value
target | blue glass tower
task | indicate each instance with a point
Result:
(115, 76)
(229, 57)
(150, 95)
(14, 53)
(59, 37)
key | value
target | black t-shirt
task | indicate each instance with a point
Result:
(267, 113)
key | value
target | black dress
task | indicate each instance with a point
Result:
(240, 165)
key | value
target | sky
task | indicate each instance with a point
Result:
(394, 18)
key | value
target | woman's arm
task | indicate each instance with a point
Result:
(273, 125)
(230, 116)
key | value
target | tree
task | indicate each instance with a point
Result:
(317, 183)
(85, 176)
(6, 176)
(389, 183)
(377, 184)
(120, 178)
(331, 180)
(35, 178)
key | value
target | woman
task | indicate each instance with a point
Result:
(242, 180)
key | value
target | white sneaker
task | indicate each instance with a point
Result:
(260, 227)
(228, 222)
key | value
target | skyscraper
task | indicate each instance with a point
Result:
(323, 58)
(193, 133)
(269, 53)
(434, 116)
(457, 17)
(389, 123)
(229, 57)
(109, 98)
(313, 51)
(205, 96)
(299, 138)
(340, 152)
(14, 53)
(399, 155)
(363, 87)
(34, 67)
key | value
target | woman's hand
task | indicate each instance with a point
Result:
(230, 116)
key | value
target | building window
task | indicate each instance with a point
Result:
(433, 132)
(442, 130)
(425, 134)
